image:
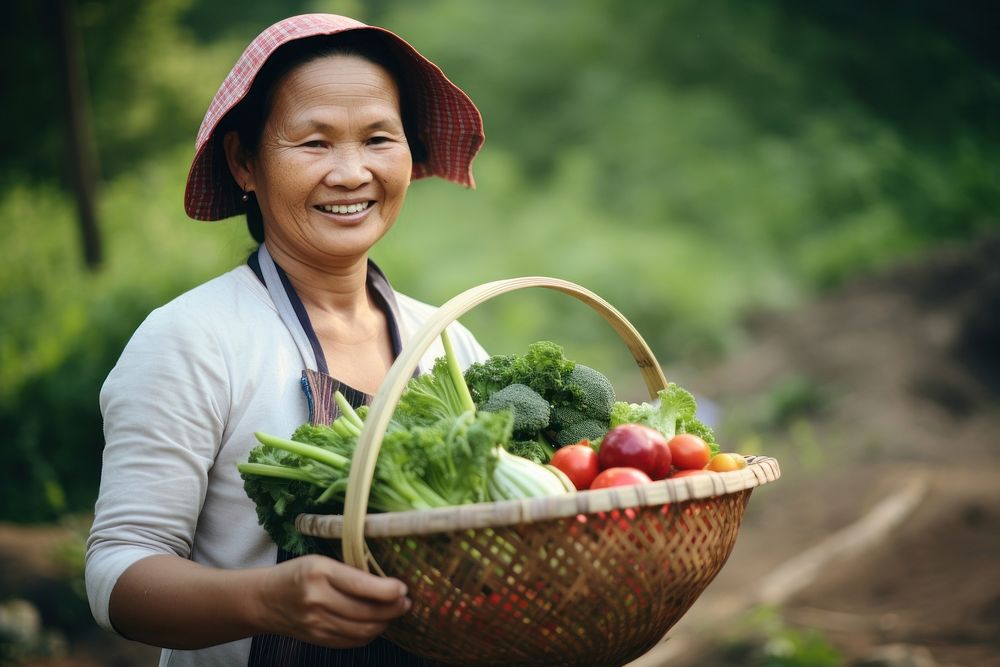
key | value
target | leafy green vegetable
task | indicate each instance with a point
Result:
(437, 451)
(672, 413)
(439, 394)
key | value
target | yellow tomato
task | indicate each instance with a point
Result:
(725, 462)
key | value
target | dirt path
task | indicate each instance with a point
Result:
(891, 379)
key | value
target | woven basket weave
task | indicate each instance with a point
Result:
(590, 578)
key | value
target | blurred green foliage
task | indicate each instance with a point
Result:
(762, 638)
(690, 161)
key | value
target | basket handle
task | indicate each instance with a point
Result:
(359, 481)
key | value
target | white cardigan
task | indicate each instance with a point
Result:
(198, 377)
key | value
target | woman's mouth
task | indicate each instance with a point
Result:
(344, 209)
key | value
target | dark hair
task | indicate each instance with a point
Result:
(249, 116)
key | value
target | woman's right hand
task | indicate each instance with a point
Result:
(322, 601)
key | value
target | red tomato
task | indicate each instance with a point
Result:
(579, 462)
(635, 446)
(620, 476)
(689, 452)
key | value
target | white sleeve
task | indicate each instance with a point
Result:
(164, 407)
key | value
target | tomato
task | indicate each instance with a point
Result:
(689, 452)
(635, 446)
(620, 476)
(725, 462)
(579, 462)
(689, 472)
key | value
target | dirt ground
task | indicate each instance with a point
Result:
(897, 383)
(889, 384)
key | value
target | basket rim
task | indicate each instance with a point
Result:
(760, 470)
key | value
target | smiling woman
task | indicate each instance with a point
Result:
(315, 135)
(333, 164)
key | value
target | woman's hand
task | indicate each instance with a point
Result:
(323, 601)
(172, 602)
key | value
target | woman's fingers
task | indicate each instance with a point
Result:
(363, 585)
(323, 601)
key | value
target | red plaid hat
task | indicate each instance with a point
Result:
(448, 123)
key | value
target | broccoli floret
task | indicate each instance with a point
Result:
(570, 426)
(543, 367)
(546, 369)
(484, 378)
(563, 416)
(574, 392)
(585, 429)
(596, 393)
(531, 411)
(538, 451)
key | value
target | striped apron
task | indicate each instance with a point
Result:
(318, 385)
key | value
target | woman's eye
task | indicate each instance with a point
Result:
(378, 140)
(315, 143)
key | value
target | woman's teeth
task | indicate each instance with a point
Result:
(350, 208)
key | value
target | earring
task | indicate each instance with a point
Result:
(246, 196)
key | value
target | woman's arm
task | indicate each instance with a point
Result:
(172, 602)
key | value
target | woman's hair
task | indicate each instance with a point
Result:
(247, 118)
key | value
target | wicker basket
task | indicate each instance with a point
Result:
(591, 578)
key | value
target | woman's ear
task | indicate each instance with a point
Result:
(240, 165)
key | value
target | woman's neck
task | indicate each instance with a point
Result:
(334, 289)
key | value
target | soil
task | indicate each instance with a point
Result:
(891, 379)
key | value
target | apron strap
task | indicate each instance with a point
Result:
(279, 295)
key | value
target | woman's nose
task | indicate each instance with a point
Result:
(348, 168)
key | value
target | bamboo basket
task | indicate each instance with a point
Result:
(590, 578)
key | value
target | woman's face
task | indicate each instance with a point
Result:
(333, 166)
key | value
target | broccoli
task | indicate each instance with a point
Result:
(544, 368)
(484, 378)
(596, 393)
(530, 410)
(583, 396)
(673, 413)
(538, 450)
(571, 426)
(586, 429)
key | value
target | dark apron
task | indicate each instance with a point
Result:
(319, 386)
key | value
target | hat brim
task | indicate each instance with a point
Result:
(449, 125)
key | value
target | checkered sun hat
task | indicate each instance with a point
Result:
(448, 123)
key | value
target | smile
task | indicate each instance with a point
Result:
(344, 209)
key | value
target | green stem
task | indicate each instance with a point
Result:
(339, 486)
(456, 374)
(265, 470)
(347, 411)
(306, 451)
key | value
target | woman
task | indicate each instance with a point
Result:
(315, 135)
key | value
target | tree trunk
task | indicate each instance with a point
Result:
(82, 154)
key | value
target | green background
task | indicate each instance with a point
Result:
(693, 162)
